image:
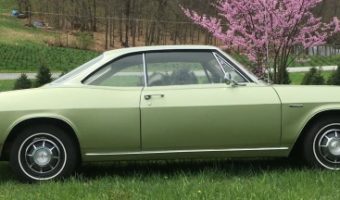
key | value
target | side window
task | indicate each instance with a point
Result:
(124, 72)
(182, 68)
(227, 67)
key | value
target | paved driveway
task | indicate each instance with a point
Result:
(13, 76)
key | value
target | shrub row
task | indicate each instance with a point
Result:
(44, 76)
(314, 77)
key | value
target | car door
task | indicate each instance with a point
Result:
(111, 121)
(186, 106)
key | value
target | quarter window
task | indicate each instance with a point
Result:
(124, 72)
(182, 68)
(227, 67)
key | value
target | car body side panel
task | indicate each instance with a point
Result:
(300, 104)
(104, 119)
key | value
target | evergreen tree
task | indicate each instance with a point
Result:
(22, 82)
(335, 77)
(313, 77)
(44, 76)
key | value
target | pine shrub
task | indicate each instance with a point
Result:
(313, 77)
(22, 82)
(44, 76)
(335, 77)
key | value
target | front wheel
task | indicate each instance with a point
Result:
(322, 144)
(43, 153)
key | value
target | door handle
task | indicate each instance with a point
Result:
(149, 96)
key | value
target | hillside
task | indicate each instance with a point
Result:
(25, 48)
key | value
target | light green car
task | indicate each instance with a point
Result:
(164, 102)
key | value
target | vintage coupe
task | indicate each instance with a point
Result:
(164, 102)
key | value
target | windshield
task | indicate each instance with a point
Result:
(78, 70)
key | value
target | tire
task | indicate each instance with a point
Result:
(42, 153)
(321, 145)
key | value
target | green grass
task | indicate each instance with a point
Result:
(296, 78)
(6, 85)
(7, 5)
(29, 56)
(13, 31)
(24, 49)
(310, 61)
(270, 179)
(316, 61)
(16, 24)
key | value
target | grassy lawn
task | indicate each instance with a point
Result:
(13, 31)
(6, 85)
(7, 5)
(314, 61)
(29, 56)
(24, 49)
(271, 179)
(296, 78)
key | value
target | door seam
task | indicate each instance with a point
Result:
(281, 115)
(140, 120)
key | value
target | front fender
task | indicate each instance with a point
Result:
(294, 120)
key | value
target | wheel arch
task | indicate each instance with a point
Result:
(317, 116)
(20, 124)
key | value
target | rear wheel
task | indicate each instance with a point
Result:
(322, 144)
(43, 153)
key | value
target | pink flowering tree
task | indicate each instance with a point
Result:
(267, 27)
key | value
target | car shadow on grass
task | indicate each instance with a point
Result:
(6, 173)
(144, 169)
(188, 167)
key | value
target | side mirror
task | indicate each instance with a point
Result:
(227, 78)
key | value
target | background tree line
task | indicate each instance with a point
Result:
(108, 24)
(122, 23)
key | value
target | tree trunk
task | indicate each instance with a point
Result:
(127, 22)
(106, 28)
(94, 21)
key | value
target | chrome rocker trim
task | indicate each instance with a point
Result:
(185, 151)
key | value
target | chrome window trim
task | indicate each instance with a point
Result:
(218, 57)
(219, 63)
(108, 62)
(145, 71)
(182, 50)
(94, 77)
(186, 151)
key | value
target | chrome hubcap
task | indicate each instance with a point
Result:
(329, 145)
(42, 155)
(334, 147)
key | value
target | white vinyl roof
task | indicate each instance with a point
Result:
(157, 48)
